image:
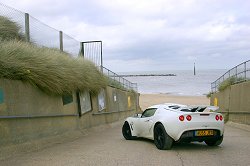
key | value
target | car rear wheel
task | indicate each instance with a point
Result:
(126, 132)
(161, 139)
(215, 142)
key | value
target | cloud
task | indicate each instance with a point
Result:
(159, 34)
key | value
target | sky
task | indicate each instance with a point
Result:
(153, 35)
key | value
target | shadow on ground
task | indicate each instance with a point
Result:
(180, 145)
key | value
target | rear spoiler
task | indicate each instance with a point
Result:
(213, 108)
(201, 108)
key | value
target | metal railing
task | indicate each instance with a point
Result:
(240, 72)
(118, 81)
(43, 35)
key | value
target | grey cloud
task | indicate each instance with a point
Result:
(213, 33)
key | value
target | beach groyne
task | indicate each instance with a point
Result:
(145, 75)
(234, 102)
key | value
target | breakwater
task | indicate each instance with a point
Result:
(146, 75)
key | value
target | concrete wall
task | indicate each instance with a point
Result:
(223, 100)
(28, 114)
(234, 102)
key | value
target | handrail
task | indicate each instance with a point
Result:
(122, 81)
(240, 72)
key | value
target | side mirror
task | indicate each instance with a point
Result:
(137, 115)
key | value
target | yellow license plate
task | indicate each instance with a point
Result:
(204, 133)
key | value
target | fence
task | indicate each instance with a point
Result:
(115, 78)
(240, 73)
(43, 35)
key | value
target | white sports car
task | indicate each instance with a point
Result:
(168, 123)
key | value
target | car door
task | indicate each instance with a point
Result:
(145, 123)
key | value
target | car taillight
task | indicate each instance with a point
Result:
(221, 117)
(189, 117)
(217, 117)
(181, 118)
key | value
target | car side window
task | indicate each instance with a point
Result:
(148, 112)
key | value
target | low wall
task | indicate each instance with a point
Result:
(234, 102)
(28, 114)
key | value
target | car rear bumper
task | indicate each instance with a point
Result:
(189, 136)
(180, 129)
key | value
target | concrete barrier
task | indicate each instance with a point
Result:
(28, 114)
(234, 102)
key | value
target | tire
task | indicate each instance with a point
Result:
(214, 142)
(126, 132)
(161, 139)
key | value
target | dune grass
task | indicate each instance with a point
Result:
(9, 30)
(228, 82)
(115, 84)
(51, 70)
(209, 94)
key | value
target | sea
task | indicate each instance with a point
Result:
(185, 83)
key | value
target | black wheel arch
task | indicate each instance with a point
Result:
(126, 122)
(157, 124)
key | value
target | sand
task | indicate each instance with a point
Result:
(147, 100)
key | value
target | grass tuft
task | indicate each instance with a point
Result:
(51, 70)
(115, 84)
(229, 81)
(209, 94)
(9, 30)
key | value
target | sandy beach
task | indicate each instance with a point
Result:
(147, 100)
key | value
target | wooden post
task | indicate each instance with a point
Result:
(82, 49)
(61, 40)
(27, 27)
